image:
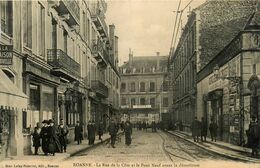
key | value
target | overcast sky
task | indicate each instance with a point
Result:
(145, 26)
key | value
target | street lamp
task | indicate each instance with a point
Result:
(239, 85)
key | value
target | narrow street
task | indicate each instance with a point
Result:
(158, 147)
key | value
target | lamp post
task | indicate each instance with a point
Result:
(239, 87)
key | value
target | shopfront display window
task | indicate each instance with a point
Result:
(47, 102)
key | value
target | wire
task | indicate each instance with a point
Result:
(177, 32)
(177, 13)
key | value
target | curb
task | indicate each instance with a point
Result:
(87, 148)
(238, 158)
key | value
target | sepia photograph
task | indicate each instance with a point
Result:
(130, 84)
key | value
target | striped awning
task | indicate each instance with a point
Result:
(10, 95)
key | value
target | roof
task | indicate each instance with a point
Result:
(146, 63)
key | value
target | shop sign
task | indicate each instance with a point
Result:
(141, 106)
(6, 54)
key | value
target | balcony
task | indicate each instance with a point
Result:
(70, 11)
(100, 53)
(98, 17)
(100, 88)
(63, 65)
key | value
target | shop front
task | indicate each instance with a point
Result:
(41, 88)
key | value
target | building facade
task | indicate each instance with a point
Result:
(230, 96)
(56, 54)
(204, 35)
(144, 95)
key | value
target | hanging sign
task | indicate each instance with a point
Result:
(6, 54)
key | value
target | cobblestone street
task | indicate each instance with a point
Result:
(148, 147)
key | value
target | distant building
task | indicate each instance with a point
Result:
(144, 94)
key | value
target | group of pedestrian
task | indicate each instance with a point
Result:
(50, 137)
(142, 125)
(253, 134)
(200, 129)
(113, 129)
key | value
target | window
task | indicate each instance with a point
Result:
(27, 23)
(165, 86)
(152, 102)
(152, 87)
(133, 102)
(85, 22)
(40, 30)
(34, 97)
(132, 87)
(54, 34)
(65, 41)
(165, 102)
(6, 14)
(123, 87)
(142, 87)
(123, 101)
(142, 101)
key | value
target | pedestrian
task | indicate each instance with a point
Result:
(153, 126)
(195, 127)
(112, 132)
(204, 129)
(213, 129)
(180, 126)
(128, 133)
(91, 133)
(254, 136)
(64, 131)
(44, 137)
(54, 143)
(78, 131)
(36, 138)
(100, 130)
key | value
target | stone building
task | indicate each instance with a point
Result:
(56, 55)
(144, 95)
(209, 28)
(230, 96)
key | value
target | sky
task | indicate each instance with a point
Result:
(145, 26)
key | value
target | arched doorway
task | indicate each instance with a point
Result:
(254, 87)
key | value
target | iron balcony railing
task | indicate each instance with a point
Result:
(59, 59)
(73, 8)
(97, 13)
(99, 88)
(99, 49)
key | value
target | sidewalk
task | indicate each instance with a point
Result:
(221, 148)
(72, 149)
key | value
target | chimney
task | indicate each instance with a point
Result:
(158, 61)
(130, 58)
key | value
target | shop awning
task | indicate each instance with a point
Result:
(10, 95)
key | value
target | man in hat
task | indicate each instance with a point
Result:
(44, 136)
(78, 133)
(112, 132)
(37, 138)
(254, 137)
(91, 133)
(63, 130)
(196, 129)
(54, 143)
(128, 133)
